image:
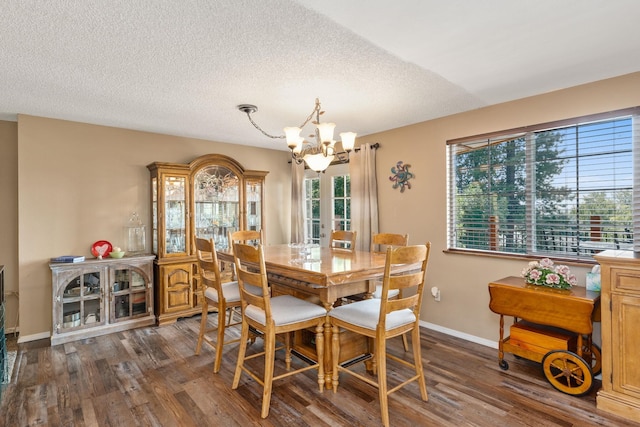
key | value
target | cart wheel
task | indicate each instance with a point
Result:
(595, 354)
(503, 365)
(567, 372)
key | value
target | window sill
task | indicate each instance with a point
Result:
(568, 261)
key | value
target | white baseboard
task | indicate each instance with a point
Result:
(458, 334)
(433, 326)
(34, 337)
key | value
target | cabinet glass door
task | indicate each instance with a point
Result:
(130, 296)
(82, 302)
(254, 205)
(216, 198)
(175, 214)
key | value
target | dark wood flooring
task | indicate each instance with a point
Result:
(151, 377)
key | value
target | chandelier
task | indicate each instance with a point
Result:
(320, 151)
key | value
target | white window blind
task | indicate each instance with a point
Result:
(563, 189)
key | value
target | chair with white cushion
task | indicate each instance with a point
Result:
(383, 318)
(272, 316)
(222, 297)
(379, 244)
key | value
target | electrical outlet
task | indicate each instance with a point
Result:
(437, 296)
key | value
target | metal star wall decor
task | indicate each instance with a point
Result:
(401, 176)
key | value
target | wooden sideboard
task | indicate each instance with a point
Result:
(97, 297)
(620, 393)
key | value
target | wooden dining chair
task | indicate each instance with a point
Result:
(282, 314)
(252, 237)
(223, 297)
(382, 319)
(246, 236)
(343, 240)
(379, 244)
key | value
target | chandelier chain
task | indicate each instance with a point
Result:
(260, 129)
(316, 112)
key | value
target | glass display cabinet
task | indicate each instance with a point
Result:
(208, 198)
(97, 297)
(254, 204)
(216, 198)
(170, 198)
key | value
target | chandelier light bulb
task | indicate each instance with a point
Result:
(318, 162)
(293, 136)
(326, 132)
(348, 140)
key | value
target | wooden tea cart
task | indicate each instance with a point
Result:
(552, 327)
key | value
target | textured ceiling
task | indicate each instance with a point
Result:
(182, 67)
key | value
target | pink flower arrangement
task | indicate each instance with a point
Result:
(545, 273)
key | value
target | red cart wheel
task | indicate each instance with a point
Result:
(567, 372)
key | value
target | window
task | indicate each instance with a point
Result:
(341, 202)
(327, 203)
(312, 209)
(562, 190)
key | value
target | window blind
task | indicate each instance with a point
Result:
(562, 189)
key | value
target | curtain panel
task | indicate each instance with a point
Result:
(364, 195)
(297, 202)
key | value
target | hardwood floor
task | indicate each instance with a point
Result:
(151, 377)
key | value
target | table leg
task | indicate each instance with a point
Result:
(371, 285)
(370, 364)
(328, 359)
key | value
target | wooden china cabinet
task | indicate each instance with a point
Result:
(620, 393)
(206, 198)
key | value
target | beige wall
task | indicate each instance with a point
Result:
(9, 218)
(79, 183)
(421, 211)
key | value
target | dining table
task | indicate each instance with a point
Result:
(329, 274)
(326, 276)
